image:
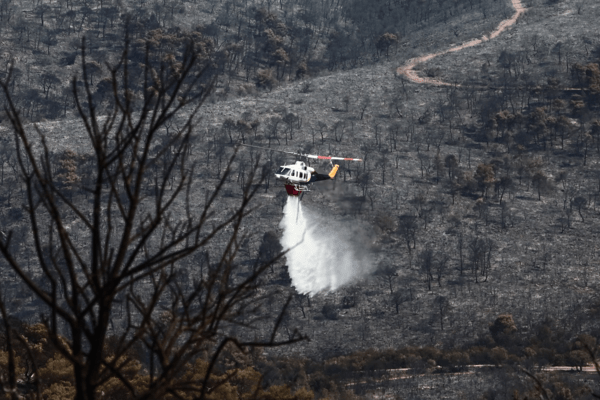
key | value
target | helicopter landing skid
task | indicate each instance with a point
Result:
(296, 190)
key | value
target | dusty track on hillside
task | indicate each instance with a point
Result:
(408, 69)
(409, 373)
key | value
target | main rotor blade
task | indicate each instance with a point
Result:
(312, 156)
(270, 149)
(336, 158)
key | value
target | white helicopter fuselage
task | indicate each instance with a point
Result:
(296, 177)
(294, 174)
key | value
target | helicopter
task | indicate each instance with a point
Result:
(296, 177)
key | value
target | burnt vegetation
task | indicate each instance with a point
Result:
(253, 44)
(140, 245)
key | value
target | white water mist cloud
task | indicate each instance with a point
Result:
(323, 254)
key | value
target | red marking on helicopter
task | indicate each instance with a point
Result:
(291, 190)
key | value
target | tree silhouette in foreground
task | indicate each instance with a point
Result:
(129, 252)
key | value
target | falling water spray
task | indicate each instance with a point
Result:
(323, 254)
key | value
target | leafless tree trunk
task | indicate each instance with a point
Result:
(133, 244)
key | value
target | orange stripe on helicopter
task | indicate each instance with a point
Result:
(334, 171)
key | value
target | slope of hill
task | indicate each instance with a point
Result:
(480, 198)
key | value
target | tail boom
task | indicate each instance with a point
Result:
(324, 177)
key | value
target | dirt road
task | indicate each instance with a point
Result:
(409, 373)
(408, 69)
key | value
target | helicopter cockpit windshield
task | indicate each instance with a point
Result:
(283, 171)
